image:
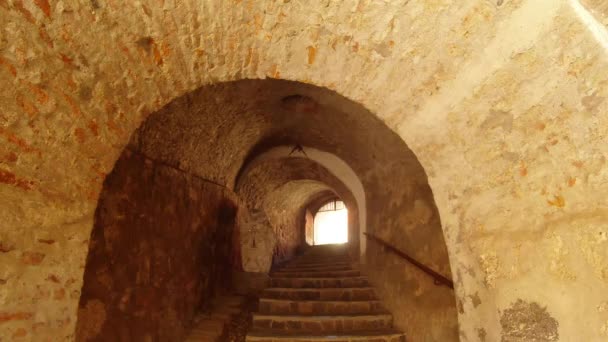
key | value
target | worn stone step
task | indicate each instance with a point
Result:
(323, 324)
(319, 263)
(296, 268)
(357, 293)
(319, 282)
(316, 274)
(322, 256)
(318, 307)
(315, 254)
(231, 300)
(387, 335)
(330, 267)
(324, 250)
(210, 336)
(207, 330)
(209, 326)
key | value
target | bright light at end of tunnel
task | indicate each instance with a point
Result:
(331, 227)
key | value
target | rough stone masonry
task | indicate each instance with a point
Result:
(498, 103)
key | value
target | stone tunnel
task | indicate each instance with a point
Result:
(158, 154)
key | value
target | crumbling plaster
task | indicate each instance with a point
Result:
(501, 102)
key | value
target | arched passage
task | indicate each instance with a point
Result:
(333, 164)
(262, 188)
(214, 135)
(498, 119)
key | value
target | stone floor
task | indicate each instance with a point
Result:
(227, 321)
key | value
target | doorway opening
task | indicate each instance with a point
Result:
(331, 224)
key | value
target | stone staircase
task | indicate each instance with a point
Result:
(320, 297)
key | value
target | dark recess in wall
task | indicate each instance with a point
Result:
(162, 246)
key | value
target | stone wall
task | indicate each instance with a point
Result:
(257, 241)
(309, 226)
(414, 228)
(161, 248)
(286, 215)
(290, 233)
(510, 130)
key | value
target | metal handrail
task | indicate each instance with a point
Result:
(438, 279)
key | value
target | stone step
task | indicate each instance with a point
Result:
(299, 307)
(327, 251)
(296, 268)
(318, 264)
(209, 337)
(209, 326)
(318, 258)
(316, 274)
(387, 335)
(357, 293)
(205, 331)
(322, 255)
(324, 252)
(322, 324)
(342, 254)
(235, 301)
(319, 282)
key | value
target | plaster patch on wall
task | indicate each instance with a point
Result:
(6, 247)
(528, 321)
(257, 241)
(475, 300)
(602, 308)
(422, 213)
(460, 306)
(593, 241)
(496, 119)
(592, 101)
(490, 265)
(604, 329)
(559, 254)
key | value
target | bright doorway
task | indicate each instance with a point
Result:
(331, 224)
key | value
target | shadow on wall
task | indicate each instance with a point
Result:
(161, 248)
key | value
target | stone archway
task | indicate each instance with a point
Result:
(210, 135)
(269, 186)
(78, 79)
(333, 164)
